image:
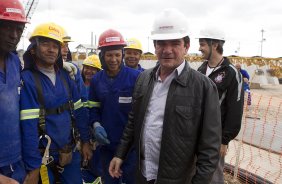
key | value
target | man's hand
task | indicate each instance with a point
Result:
(87, 151)
(100, 134)
(71, 68)
(223, 150)
(32, 177)
(114, 168)
(7, 180)
(246, 80)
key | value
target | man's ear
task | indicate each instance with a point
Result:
(215, 45)
(187, 45)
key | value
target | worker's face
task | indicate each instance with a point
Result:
(171, 53)
(89, 71)
(238, 66)
(132, 57)
(10, 34)
(204, 49)
(113, 59)
(47, 51)
(65, 50)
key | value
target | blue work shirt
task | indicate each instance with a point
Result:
(10, 138)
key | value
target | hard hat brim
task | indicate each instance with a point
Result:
(86, 64)
(212, 38)
(14, 20)
(68, 40)
(133, 48)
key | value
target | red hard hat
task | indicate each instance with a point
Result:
(12, 10)
(111, 37)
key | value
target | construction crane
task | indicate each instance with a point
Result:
(30, 7)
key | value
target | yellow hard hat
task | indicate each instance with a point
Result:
(48, 30)
(65, 36)
(133, 43)
(67, 39)
(93, 61)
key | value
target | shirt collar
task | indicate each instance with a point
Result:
(177, 71)
(180, 68)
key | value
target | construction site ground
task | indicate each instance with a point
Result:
(260, 151)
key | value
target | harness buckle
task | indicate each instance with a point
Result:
(60, 110)
(71, 105)
(60, 169)
(42, 114)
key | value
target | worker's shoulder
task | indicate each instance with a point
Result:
(26, 73)
(147, 71)
(27, 78)
(197, 75)
(197, 79)
(131, 71)
(243, 72)
(14, 58)
(227, 65)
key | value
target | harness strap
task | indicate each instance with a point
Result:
(40, 99)
(76, 135)
(43, 112)
(44, 174)
(56, 173)
(58, 110)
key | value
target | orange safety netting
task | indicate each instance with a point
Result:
(257, 150)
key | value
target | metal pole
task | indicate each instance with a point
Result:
(148, 44)
(95, 40)
(262, 39)
(91, 39)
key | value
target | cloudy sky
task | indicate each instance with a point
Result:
(241, 20)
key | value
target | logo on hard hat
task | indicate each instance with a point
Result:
(13, 10)
(54, 29)
(113, 39)
(166, 27)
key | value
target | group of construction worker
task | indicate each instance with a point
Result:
(63, 125)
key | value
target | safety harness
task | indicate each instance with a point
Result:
(43, 112)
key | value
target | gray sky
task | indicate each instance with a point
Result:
(241, 20)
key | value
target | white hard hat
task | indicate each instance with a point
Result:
(169, 24)
(212, 33)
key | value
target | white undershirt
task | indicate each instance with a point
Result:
(153, 125)
(211, 69)
(50, 73)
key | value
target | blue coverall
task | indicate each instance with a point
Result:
(11, 164)
(94, 168)
(110, 102)
(58, 126)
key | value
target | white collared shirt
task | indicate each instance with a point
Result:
(153, 124)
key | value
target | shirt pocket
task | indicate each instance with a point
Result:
(184, 121)
(125, 101)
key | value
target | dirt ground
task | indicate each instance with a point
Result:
(228, 179)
